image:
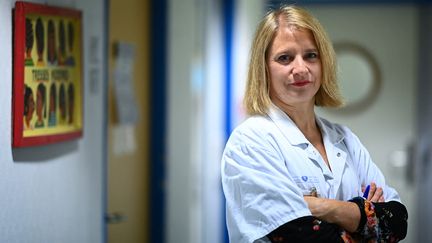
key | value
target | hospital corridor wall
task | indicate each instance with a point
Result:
(55, 192)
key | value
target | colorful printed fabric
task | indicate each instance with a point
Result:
(380, 222)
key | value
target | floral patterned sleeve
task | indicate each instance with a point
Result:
(380, 222)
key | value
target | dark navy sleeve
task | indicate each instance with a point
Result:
(306, 229)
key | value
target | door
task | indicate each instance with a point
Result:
(128, 183)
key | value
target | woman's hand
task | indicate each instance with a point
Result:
(376, 194)
(344, 214)
(317, 206)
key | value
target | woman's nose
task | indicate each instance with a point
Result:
(299, 66)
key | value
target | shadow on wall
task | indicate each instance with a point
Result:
(43, 154)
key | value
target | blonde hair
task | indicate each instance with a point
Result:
(257, 98)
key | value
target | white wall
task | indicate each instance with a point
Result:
(55, 193)
(423, 150)
(195, 121)
(248, 13)
(181, 174)
(213, 129)
(387, 127)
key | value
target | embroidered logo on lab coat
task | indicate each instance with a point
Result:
(309, 185)
(305, 179)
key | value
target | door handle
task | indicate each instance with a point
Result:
(115, 218)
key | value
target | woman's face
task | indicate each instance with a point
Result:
(294, 67)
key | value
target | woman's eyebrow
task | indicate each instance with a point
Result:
(311, 50)
(286, 51)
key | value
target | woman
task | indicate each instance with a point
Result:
(29, 107)
(71, 101)
(289, 175)
(40, 105)
(52, 114)
(40, 42)
(62, 103)
(28, 61)
(51, 49)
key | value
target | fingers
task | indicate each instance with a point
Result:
(372, 190)
(376, 194)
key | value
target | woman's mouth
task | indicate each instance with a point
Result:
(301, 83)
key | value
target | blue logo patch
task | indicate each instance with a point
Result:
(304, 178)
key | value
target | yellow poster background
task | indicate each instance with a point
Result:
(52, 75)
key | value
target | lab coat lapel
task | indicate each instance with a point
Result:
(335, 155)
(332, 142)
(296, 138)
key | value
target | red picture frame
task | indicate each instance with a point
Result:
(47, 74)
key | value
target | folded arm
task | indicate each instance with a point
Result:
(339, 221)
(344, 214)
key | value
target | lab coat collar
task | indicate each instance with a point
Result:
(293, 133)
(330, 130)
(287, 126)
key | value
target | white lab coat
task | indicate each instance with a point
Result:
(268, 166)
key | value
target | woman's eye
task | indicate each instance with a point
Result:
(283, 58)
(312, 55)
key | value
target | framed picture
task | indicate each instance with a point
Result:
(47, 74)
